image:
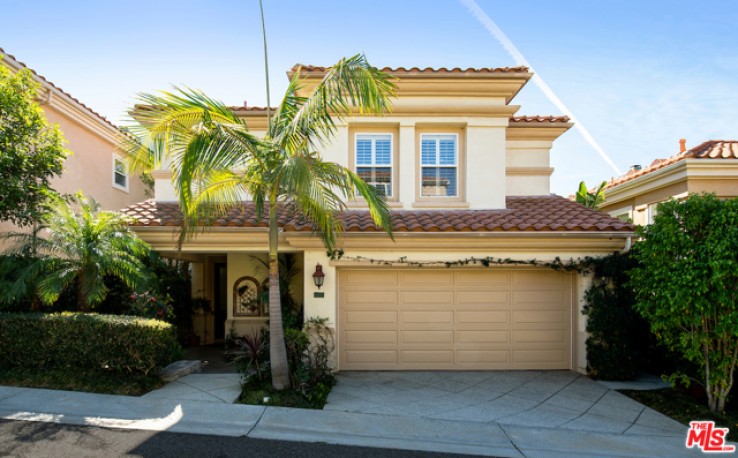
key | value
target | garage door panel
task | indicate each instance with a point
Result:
(483, 337)
(423, 338)
(373, 337)
(545, 298)
(538, 316)
(444, 357)
(541, 336)
(374, 300)
(426, 317)
(427, 300)
(370, 357)
(367, 320)
(483, 278)
(443, 319)
(539, 356)
(482, 317)
(426, 278)
(482, 299)
(474, 358)
(377, 279)
(537, 278)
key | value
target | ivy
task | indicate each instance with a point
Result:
(580, 265)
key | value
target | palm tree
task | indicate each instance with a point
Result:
(217, 163)
(77, 249)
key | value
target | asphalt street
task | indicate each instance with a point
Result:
(35, 439)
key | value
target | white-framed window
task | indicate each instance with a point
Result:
(439, 165)
(120, 173)
(373, 157)
(651, 211)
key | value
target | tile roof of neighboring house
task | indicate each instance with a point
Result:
(88, 109)
(403, 70)
(712, 149)
(524, 214)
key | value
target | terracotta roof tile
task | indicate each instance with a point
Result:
(90, 110)
(523, 214)
(404, 70)
(711, 149)
(528, 119)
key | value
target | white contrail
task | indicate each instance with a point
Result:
(500, 36)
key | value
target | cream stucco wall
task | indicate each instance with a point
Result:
(240, 264)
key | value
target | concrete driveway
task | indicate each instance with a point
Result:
(548, 399)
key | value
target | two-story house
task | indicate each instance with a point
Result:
(711, 166)
(94, 166)
(466, 178)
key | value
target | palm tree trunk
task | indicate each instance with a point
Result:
(277, 349)
(81, 302)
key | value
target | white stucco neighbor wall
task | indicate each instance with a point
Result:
(584, 281)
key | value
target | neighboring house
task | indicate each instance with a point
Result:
(709, 167)
(465, 178)
(93, 167)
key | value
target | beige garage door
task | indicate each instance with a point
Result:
(454, 319)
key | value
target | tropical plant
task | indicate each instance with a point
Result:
(216, 162)
(591, 199)
(687, 286)
(31, 150)
(76, 249)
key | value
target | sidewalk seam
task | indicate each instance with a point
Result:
(515, 446)
(248, 434)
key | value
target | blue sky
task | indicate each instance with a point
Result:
(637, 74)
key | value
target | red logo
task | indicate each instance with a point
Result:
(706, 436)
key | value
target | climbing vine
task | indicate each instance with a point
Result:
(579, 265)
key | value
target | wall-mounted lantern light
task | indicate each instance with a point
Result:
(318, 276)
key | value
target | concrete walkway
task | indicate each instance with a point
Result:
(171, 411)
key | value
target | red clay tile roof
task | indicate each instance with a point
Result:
(523, 214)
(90, 110)
(442, 70)
(711, 149)
(528, 119)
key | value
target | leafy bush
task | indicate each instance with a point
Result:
(118, 344)
(309, 353)
(687, 286)
(619, 346)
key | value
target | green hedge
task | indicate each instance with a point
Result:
(87, 341)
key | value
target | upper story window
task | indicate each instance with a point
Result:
(374, 161)
(439, 165)
(120, 173)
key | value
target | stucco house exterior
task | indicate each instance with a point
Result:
(94, 167)
(711, 166)
(465, 177)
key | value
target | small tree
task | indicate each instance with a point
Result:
(591, 199)
(31, 150)
(687, 286)
(80, 250)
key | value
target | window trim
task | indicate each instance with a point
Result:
(118, 158)
(458, 133)
(390, 129)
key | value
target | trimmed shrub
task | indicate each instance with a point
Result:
(86, 341)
